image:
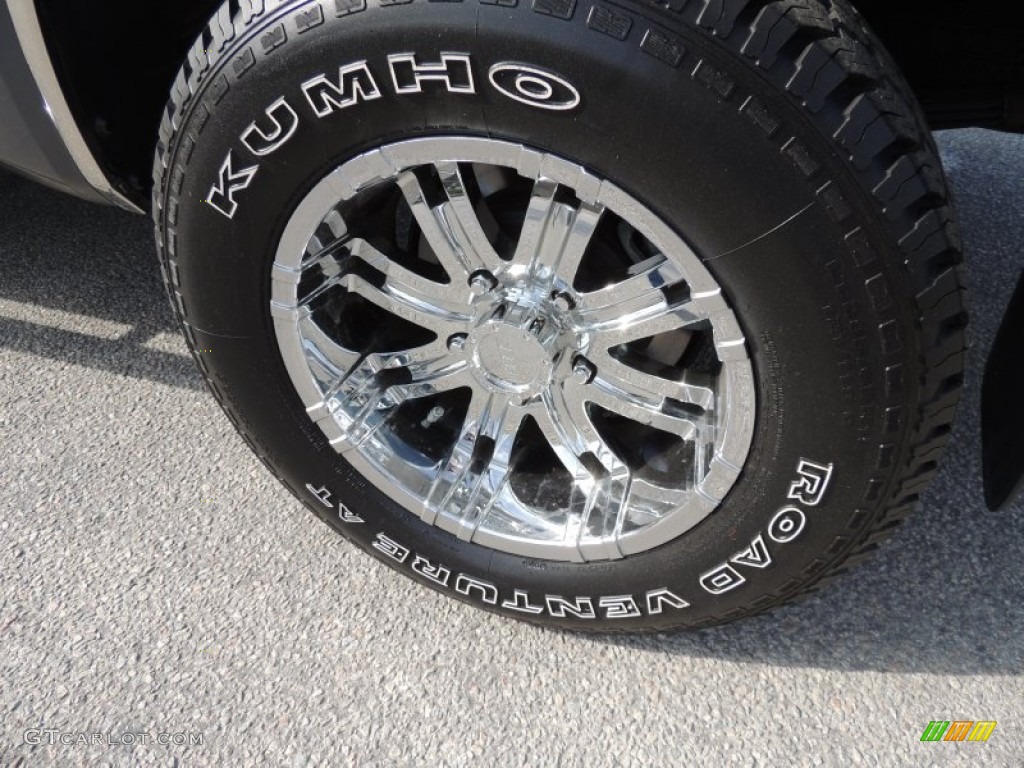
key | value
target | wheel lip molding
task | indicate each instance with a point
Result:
(33, 45)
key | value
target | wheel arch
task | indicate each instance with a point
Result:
(116, 61)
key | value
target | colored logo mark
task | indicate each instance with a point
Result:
(958, 730)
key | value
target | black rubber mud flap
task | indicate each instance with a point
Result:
(1002, 415)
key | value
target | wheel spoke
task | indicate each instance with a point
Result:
(543, 230)
(555, 234)
(641, 306)
(405, 301)
(584, 225)
(641, 292)
(332, 279)
(326, 258)
(567, 427)
(650, 503)
(478, 468)
(633, 384)
(452, 228)
(462, 225)
(605, 509)
(637, 405)
(450, 297)
(365, 399)
(601, 480)
(330, 357)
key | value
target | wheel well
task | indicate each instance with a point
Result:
(964, 61)
(117, 59)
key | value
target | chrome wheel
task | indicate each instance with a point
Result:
(515, 350)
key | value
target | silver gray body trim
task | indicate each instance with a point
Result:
(30, 37)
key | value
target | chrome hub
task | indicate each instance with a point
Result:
(511, 359)
(513, 349)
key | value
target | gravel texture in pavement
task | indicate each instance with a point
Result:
(156, 579)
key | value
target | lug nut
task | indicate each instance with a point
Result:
(457, 342)
(482, 282)
(563, 301)
(583, 371)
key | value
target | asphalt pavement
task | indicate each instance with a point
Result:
(157, 583)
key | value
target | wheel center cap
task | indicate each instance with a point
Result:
(507, 358)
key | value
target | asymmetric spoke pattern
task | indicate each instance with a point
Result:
(516, 351)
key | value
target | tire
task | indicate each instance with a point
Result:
(771, 145)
